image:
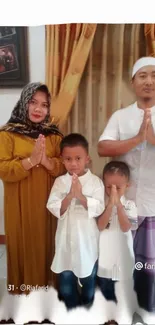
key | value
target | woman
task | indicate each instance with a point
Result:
(29, 163)
(130, 136)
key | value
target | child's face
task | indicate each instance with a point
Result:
(75, 160)
(120, 181)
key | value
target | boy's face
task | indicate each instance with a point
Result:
(75, 160)
(120, 181)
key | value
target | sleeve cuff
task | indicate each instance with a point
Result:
(102, 138)
(54, 208)
(95, 208)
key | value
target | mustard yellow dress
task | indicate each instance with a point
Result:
(29, 227)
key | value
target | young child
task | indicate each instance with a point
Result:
(116, 256)
(76, 199)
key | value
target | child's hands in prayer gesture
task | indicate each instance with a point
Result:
(76, 191)
(76, 187)
(114, 199)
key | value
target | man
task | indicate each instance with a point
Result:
(129, 136)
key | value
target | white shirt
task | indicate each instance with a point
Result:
(77, 234)
(125, 124)
(116, 256)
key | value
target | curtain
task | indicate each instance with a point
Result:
(149, 30)
(105, 85)
(67, 50)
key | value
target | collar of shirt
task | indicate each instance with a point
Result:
(142, 111)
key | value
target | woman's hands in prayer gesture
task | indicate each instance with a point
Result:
(39, 156)
(37, 152)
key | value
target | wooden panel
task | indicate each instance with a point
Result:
(2, 239)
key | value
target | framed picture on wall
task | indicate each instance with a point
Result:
(14, 70)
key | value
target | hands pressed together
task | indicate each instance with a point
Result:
(114, 199)
(75, 193)
(146, 132)
(38, 155)
(76, 188)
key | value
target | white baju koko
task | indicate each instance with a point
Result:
(125, 124)
(116, 256)
(77, 235)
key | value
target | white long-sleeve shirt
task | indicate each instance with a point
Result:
(116, 256)
(125, 124)
(77, 234)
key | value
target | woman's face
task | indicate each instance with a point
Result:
(38, 107)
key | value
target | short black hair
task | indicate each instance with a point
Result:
(114, 167)
(74, 140)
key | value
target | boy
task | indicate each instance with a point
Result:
(116, 256)
(76, 199)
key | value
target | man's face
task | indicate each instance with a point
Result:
(144, 83)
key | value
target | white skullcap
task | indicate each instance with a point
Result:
(142, 62)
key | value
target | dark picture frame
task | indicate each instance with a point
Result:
(14, 70)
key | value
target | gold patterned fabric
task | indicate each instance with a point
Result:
(67, 50)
